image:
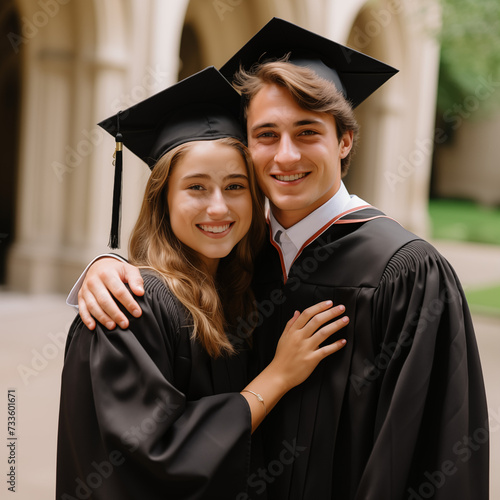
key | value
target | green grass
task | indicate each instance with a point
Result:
(484, 300)
(468, 221)
(464, 221)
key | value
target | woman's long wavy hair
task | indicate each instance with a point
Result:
(215, 304)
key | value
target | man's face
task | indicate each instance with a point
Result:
(296, 153)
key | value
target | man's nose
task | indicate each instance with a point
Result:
(287, 153)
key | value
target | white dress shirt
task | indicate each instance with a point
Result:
(292, 240)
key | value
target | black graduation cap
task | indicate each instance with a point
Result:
(355, 74)
(201, 107)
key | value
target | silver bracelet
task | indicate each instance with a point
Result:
(259, 397)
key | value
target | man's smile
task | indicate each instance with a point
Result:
(290, 178)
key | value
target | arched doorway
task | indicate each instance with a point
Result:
(190, 60)
(66, 80)
(213, 31)
(376, 33)
(10, 99)
(392, 167)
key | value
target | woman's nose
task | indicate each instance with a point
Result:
(217, 205)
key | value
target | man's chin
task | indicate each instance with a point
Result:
(285, 205)
(291, 211)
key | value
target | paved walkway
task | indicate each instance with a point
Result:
(32, 334)
(476, 265)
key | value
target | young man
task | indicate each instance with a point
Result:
(401, 412)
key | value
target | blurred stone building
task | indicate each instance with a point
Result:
(67, 64)
(467, 165)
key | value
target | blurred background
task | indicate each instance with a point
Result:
(429, 156)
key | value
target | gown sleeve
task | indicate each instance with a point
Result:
(127, 431)
(431, 437)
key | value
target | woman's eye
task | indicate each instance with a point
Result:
(233, 187)
(196, 187)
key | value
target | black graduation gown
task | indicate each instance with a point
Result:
(400, 412)
(145, 413)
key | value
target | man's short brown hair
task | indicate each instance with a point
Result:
(310, 91)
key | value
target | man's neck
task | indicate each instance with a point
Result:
(288, 218)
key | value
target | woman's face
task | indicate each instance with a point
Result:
(209, 200)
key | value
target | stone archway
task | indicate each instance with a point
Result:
(376, 32)
(63, 73)
(392, 167)
(190, 52)
(217, 29)
(84, 60)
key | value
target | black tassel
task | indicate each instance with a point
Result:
(114, 237)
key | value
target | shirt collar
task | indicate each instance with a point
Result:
(299, 233)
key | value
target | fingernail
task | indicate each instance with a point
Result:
(123, 324)
(345, 319)
(328, 302)
(341, 308)
(110, 325)
(136, 312)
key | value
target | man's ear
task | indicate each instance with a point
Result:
(346, 143)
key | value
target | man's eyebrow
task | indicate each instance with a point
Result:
(263, 125)
(307, 122)
(299, 123)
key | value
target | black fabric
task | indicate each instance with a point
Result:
(354, 74)
(146, 414)
(202, 107)
(400, 412)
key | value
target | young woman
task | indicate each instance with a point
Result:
(163, 409)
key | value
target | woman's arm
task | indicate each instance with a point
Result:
(297, 355)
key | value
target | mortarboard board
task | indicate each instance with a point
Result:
(355, 74)
(201, 107)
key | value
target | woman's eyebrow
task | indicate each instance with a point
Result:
(206, 176)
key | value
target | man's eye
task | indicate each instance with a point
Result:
(266, 135)
(308, 132)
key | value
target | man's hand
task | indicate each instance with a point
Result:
(106, 277)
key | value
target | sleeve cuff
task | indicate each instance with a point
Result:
(72, 299)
